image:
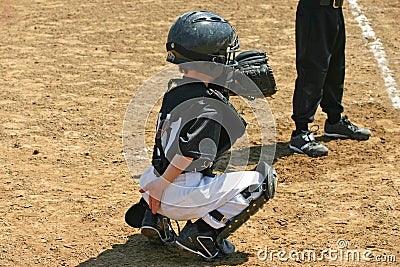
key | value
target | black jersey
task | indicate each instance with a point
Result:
(195, 121)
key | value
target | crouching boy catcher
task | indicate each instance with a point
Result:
(196, 126)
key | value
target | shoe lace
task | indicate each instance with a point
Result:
(177, 225)
(348, 123)
(313, 130)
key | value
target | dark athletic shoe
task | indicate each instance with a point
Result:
(203, 242)
(345, 129)
(157, 228)
(305, 143)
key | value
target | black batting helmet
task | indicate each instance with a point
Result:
(202, 36)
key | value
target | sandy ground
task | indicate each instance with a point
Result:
(68, 70)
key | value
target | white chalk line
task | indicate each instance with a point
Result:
(376, 47)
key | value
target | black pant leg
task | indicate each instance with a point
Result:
(316, 32)
(333, 88)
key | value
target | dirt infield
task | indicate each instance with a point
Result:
(68, 70)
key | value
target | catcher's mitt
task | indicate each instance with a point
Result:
(254, 64)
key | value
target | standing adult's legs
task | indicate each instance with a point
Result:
(333, 88)
(316, 31)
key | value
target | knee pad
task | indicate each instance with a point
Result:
(271, 179)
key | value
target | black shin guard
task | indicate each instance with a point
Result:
(268, 187)
(237, 221)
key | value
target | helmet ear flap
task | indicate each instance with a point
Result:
(175, 57)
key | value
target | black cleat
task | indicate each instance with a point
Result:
(345, 129)
(305, 143)
(203, 242)
(157, 227)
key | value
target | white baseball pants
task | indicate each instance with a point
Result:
(192, 195)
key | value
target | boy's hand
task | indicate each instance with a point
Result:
(155, 190)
